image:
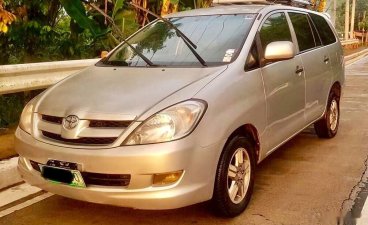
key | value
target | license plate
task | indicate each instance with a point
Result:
(62, 175)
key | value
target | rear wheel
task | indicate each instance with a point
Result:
(234, 178)
(327, 126)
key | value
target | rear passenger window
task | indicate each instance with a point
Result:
(275, 28)
(302, 30)
(324, 30)
(317, 38)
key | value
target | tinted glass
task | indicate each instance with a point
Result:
(275, 28)
(218, 38)
(303, 31)
(324, 30)
(317, 38)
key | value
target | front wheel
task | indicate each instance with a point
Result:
(328, 125)
(234, 178)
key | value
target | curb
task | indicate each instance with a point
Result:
(8, 173)
(350, 59)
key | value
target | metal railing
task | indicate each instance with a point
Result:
(350, 42)
(33, 76)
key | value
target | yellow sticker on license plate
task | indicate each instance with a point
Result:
(77, 180)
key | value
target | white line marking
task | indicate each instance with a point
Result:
(25, 204)
(17, 192)
(8, 172)
(357, 59)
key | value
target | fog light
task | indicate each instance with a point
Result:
(166, 178)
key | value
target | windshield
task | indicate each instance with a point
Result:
(219, 38)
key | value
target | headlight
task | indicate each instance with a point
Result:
(170, 124)
(25, 122)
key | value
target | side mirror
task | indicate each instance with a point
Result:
(104, 54)
(279, 50)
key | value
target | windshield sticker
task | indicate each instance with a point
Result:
(228, 55)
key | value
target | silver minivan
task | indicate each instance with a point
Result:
(184, 110)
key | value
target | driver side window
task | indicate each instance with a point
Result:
(275, 28)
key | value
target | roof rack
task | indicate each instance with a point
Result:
(296, 3)
(242, 2)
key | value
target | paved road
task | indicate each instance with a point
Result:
(307, 181)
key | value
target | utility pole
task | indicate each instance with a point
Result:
(347, 6)
(352, 19)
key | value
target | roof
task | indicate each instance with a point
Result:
(220, 9)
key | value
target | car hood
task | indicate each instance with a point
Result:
(118, 93)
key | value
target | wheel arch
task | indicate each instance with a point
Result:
(251, 132)
(336, 88)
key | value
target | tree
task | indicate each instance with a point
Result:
(6, 18)
(44, 31)
(360, 14)
(318, 5)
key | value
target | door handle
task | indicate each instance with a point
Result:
(299, 70)
(326, 59)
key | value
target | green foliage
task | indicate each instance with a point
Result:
(361, 8)
(76, 10)
(363, 24)
(10, 109)
(44, 31)
(125, 21)
(117, 6)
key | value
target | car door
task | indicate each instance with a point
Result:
(316, 63)
(332, 49)
(284, 84)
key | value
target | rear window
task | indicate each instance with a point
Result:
(324, 30)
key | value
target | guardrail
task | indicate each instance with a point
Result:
(33, 76)
(350, 42)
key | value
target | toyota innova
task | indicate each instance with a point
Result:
(184, 109)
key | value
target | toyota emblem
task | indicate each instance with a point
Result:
(70, 122)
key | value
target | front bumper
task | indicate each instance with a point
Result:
(141, 162)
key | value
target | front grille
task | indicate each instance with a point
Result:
(52, 119)
(108, 130)
(93, 123)
(108, 123)
(106, 179)
(83, 140)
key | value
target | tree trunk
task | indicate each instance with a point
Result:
(352, 19)
(347, 7)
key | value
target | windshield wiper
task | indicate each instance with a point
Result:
(149, 62)
(186, 40)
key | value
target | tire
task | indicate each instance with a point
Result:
(328, 125)
(222, 203)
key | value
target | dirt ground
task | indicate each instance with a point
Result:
(7, 143)
(349, 51)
